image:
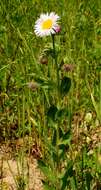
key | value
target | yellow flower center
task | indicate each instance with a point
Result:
(47, 24)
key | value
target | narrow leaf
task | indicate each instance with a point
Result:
(65, 86)
(47, 172)
(52, 112)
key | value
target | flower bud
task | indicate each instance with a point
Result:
(68, 67)
(33, 86)
(58, 29)
(43, 60)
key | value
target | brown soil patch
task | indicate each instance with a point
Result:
(13, 169)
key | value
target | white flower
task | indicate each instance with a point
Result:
(46, 24)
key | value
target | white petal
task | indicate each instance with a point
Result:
(39, 31)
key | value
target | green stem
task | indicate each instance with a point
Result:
(100, 96)
(57, 68)
(58, 92)
(82, 169)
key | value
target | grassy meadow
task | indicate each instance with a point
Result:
(50, 93)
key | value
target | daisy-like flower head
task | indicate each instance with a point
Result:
(47, 24)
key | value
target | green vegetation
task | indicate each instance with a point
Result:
(50, 91)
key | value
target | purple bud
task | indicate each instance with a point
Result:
(57, 29)
(68, 67)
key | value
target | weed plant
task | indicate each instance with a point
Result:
(50, 89)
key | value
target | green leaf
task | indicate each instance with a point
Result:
(88, 179)
(65, 86)
(66, 138)
(73, 182)
(45, 82)
(61, 132)
(47, 171)
(52, 112)
(46, 186)
(69, 173)
(54, 137)
(62, 113)
(49, 145)
(41, 81)
(64, 144)
(67, 135)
